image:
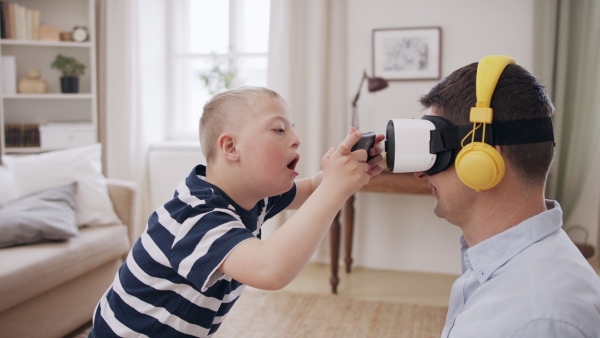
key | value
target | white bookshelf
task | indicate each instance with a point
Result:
(53, 106)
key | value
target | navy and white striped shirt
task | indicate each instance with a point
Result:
(169, 285)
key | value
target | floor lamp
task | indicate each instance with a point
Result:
(374, 84)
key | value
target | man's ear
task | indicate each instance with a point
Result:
(227, 146)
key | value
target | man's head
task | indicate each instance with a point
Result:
(227, 112)
(517, 96)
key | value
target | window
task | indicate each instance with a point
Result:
(215, 45)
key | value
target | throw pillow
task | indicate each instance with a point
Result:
(8, 190)
(45, 215)
(33, 173)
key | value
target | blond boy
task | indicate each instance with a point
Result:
(201, 248)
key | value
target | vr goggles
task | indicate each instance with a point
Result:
(431, 143)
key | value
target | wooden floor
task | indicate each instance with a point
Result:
(364, 283)
(394, 286)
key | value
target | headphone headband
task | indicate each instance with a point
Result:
(489, 70)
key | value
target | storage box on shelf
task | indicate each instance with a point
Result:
(32, 103)
(67, 135)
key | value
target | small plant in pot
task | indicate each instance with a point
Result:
(71, 70)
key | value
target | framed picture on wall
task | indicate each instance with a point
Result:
(407, 53)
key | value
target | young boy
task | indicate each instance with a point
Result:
(201, 248)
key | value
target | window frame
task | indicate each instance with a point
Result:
(176, 117)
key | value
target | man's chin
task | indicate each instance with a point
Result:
(437, 210)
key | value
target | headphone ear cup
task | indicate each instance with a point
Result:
(479, 166)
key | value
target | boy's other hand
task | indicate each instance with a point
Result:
(347, 171)
(376, 152)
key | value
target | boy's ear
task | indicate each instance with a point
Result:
(227, 146)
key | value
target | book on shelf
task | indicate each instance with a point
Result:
(12, 135)
(31, 135)
(21, 135)
(2, 21)
(18, 21)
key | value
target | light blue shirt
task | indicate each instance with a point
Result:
(528, 281)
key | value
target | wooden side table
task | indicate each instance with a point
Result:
(386, 182)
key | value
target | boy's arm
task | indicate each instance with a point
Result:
(273, 263)
(306, 186)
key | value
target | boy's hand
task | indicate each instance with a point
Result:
(374, 151)
(345, 171)
(374, 163)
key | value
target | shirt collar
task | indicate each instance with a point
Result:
(197, 177)
(486, 257)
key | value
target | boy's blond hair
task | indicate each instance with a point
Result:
(226, 112)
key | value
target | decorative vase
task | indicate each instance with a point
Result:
(69, 84)
(32, 83)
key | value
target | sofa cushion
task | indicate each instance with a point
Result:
(83, 165)
(9, 189)
(45, 215)
(30, 270)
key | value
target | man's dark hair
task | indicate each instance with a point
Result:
(518, 96)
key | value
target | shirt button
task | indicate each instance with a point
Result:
(451, 320)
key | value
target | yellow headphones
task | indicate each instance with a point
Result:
(479, 165)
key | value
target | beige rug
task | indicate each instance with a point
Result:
(259, 314)
(285, 314)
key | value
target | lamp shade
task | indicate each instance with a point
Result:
(377, 84)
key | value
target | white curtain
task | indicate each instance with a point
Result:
(566, 50)
(130, 74)
(307, 66)
(577, 98)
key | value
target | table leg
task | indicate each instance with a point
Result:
(348, 231)
(334, 240)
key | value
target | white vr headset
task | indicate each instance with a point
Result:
(430, 144)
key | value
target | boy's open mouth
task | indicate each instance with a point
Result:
(292, 165)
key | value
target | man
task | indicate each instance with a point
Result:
(522, 276)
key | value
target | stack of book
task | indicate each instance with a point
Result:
(22, 135)
(18, 21)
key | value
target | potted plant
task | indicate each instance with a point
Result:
(71, 70)
(218, 78)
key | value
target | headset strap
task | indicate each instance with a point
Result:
(499, 133)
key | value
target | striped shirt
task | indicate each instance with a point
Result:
(170, 285)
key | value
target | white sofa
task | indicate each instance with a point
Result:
(50, 289)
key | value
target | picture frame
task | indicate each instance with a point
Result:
(401, 54)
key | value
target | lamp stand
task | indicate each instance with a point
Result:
(355, 101)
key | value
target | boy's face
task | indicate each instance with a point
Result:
(268, 147)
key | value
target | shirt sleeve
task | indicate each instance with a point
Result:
(203, 246)
(549, 328)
